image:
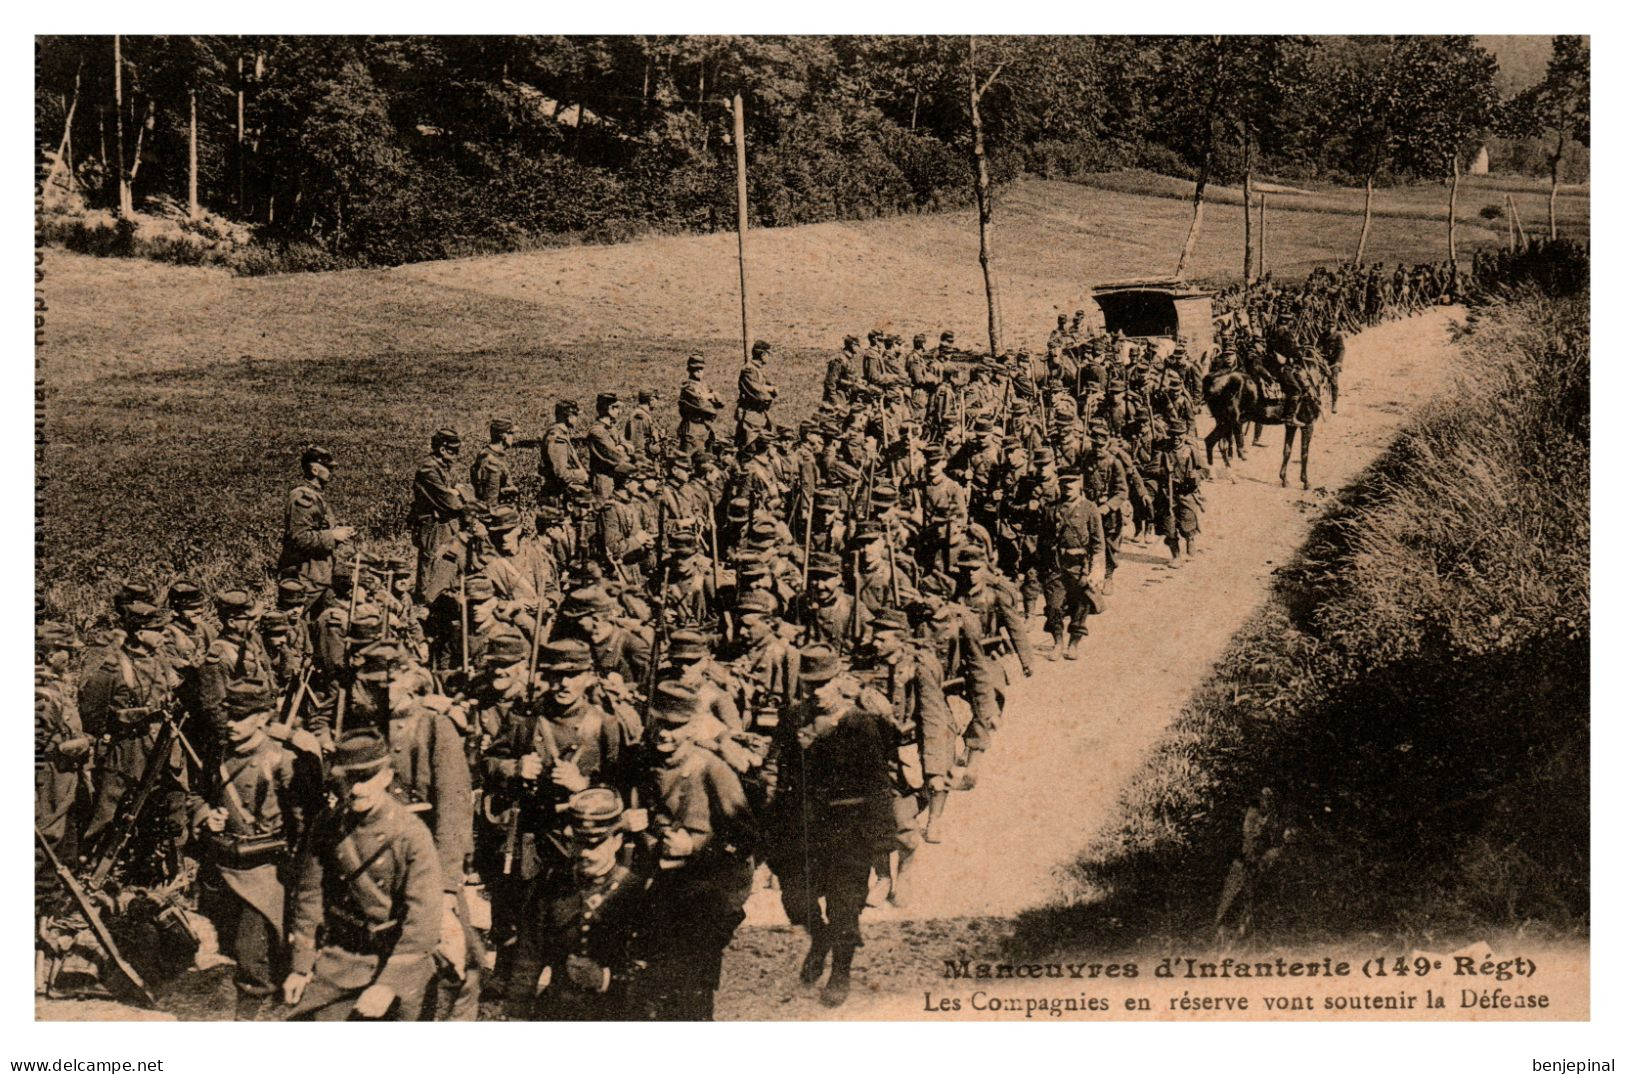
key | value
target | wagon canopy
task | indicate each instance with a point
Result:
(1169, 309)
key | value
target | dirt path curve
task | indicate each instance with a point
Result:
(1075, 733)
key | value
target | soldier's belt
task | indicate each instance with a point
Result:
(356, 934)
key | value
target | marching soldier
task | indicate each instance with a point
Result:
(832, 817)
(237, 655)
(309, 535)
(372, 885)
(1175, 476)
(703, 833)
(123, 701)
(841, 374)
(1073, 534)
(640, 430)
(590, 931)
(61, 752)
(260, 794)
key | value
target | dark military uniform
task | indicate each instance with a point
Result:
(562, 472)
(492, 479)
(308, 541)
(1074, 536)
(373, 885)
(436, 515)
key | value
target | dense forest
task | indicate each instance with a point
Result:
(377, 150)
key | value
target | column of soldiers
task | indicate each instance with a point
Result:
(695, 658)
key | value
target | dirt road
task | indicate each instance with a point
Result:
(1075, 733)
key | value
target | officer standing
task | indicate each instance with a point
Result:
(756, 395)
(493, 481)
(607, 457)
(309, 535)
(436, 515)
(561, 471)
(697, 406)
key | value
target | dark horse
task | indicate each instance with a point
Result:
(1235, 398)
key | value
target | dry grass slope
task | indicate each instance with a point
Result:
(176, 399)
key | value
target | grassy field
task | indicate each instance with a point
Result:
(1415, 692)
(176, 399)
(1412, 201)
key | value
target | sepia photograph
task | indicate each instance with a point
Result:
(822, 527)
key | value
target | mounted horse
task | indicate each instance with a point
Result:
(1236, 397)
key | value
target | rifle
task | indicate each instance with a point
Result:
(81, 898)
(131, 805)
(343, 678)
(296, 698)
(891, 563)
(462, 612)
(510, 840)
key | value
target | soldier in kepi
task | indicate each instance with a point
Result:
(437, 506)
(492, 480)
(370, 887)
(698, 407)
(309, 535)
(756, 395)
(590, 927)
(607, 458)
(258, 796)
(562, 473)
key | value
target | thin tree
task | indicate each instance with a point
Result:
(1207, 119)
(984, 198)
(1560, 104)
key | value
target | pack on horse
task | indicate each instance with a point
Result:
(1239, 394)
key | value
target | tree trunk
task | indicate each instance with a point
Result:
(1365, 224)
(914, 115)
(1551, 200)
(241, 162)
(1247, 213)
(126, 202)
(984, 203)
(147, 124)
(1455, 181)
(193, 210)
(1196, 215)
(1263, 234)
(1512, 241)
(63, 164)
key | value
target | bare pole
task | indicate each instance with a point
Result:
(192, 209)
(1263, 233)
(241, 163)
(744, 219)
(1247, 209)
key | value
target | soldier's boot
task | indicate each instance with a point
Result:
(1054, 646)
(1072, 648)
(1175, 563)
(934, 822)
(1190, 547)
(1106, 586)
(967, 779)
(839, 985)
(881, 889)
(900, 881)
(812, 967)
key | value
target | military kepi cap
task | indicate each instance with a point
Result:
(595, 813)
(360, 751)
